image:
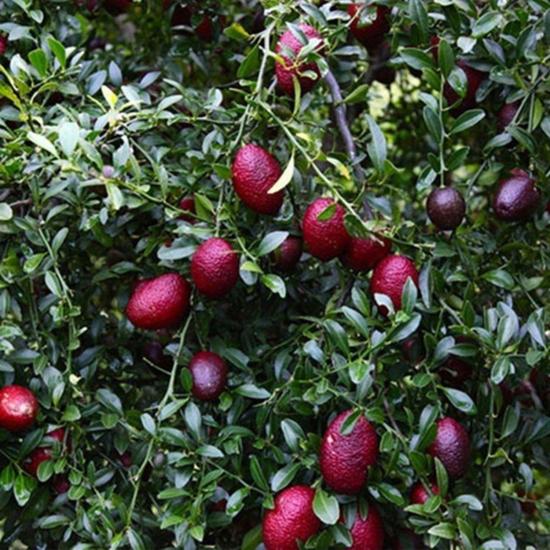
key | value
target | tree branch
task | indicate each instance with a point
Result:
(340, 115)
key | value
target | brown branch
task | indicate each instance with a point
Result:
(340, 115)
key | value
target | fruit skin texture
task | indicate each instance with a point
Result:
(325, 239)
(18, 408)
(254, 172)
(389, 278)
(474, 79)
(446, 208)
(363, 254)
(419, 495)
(160, 302)
(205, 29)
(344, 459)
(506, 114)
(370, 35)
(288, 254)
(452, 446)
(188, 205)
(289, 68)
(367, 533)
(215, 268)
(209, 373)
(516, 198)
(291, 520)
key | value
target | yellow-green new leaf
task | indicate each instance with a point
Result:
(285, 178)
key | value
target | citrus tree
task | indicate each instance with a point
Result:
(274, 273)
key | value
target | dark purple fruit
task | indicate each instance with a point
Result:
(516, 198)
(446, 208)
(209, 373)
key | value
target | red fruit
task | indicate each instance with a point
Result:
(181, 14)
(3, 44)
(215, 268)
(60, 484)
(291, 520)
(345, 459)
(219, 506)
(389, 278)
(367, 533)
(455, 372)
(289, 67)
(474, 79)
(153, 351)
(41, 454)
(434, 47)
(288, 254)
(209, 373)
(205, 29)
(363, 254)
(18, 408)
(254, 172)
(90, 5)
(446, 207)
(125, 459)
(419, 494)
(325, 239)
(516, 198)
(117, 6)
(506, 114)
(370, 33)
(188, 205)
(452, 446)
(160, 302)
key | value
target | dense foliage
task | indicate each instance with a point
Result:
(109, 117)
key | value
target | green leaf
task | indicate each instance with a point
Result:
(58, 50)
(500, 370)
(39, 61)
(446, 57)
(253, 392)
(337, 335)
(193, 418)
(419, 15)
(275, 284)
(284, 477)
(250, 64)
(6, 213)
(467, 120)
(443, 530)
(500, 278)
(357, 95)
(271, 242)
(486, 23)
(460, 400)
(326, 507)
(417, 59)
(431, 118)
(68, 137)
(376, 149)
(43, 143)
